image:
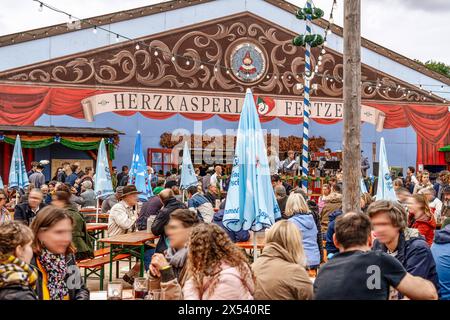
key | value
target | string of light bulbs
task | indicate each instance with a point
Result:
(216, 66)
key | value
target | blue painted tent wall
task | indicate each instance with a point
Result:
(400, 143)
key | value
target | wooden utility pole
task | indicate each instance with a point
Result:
(352, 106)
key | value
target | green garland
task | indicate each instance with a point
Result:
(83, 146)
(315, 13)
(313, 40)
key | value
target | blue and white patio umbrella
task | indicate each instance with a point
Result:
(251, 203)
(102, 181)
(18, 177)
(385, 189)
(138, 174)
(188, 177)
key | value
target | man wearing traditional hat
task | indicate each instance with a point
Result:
(122, 217)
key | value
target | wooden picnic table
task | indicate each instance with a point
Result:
(92, 216)
(87, 210)
(132, 243)
(97, 230)
(260, 243)
(96, 226)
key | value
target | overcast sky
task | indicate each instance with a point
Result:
(418, 29)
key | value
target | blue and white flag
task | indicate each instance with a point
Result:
(138, 174)
(188, 177)
(18, 177)
(102, 184)
(385, 189)
(251, 203)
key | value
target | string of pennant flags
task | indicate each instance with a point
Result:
(370, 84)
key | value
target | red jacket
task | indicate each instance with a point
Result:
(426, 228)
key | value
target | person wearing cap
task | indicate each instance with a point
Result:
(88, 194)
(122, 217)
(112, 200)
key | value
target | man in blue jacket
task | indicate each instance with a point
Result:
(389, 222)
(441, 254)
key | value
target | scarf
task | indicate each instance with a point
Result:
(176, 259)
(55, 266)
(14, 271)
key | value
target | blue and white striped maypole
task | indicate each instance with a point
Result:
(306, 104)
(308, 40)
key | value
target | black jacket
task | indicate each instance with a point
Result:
(149, 208)
(17, 292)
(161, 221)
(72, 278)
(24, 213)
(414, 254)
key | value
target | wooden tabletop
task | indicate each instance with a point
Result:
(130, 239)
(100, 215)
(260, 243)
(96, 226)
(83, 210)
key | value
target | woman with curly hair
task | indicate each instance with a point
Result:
(219, 269)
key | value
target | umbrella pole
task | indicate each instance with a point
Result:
(255, 247)
(96, 211)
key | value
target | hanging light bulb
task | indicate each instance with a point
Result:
(70, 19)
(323, 51)
(95, 30)
(155, 53)
(329, 31)
(173, 58)
(117, 37)
(331, 20)
(215, 69)
(202, 66)
(137, 46)
(325, 43)
(187, 62)
(41, 7)
(228, 71)
(319, 63)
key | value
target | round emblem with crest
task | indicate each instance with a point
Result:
(248, 62)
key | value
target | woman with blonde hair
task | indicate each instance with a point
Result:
(308, 224)
(218, 269)
(280, 269)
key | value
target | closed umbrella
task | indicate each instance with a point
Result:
(251, 203)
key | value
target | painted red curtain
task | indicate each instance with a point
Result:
(23, 105)
(431, 123)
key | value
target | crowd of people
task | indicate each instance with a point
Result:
(388, 250)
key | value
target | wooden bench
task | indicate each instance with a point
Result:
(102, 252)
(93, 266)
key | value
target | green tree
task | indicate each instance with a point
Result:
(439, 67)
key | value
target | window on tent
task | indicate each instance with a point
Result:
(160, 159)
